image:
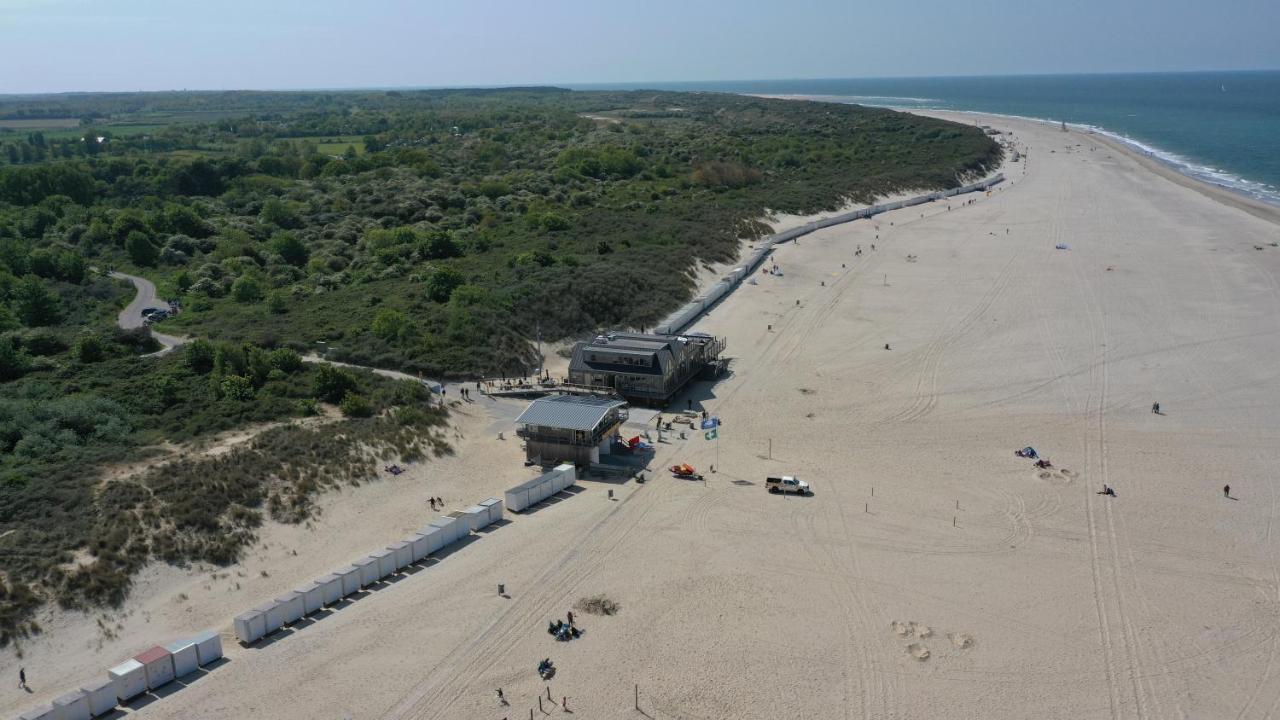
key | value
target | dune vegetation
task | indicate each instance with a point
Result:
(432, 232)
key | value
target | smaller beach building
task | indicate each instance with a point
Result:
(569, 428)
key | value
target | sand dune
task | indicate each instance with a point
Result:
(932, 573)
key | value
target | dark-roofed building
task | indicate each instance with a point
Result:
(644, 368)
(569, 428)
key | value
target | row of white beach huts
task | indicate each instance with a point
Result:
(687, 313)
(148, 670)
(161, 665)
(365, 571)
(528, 494)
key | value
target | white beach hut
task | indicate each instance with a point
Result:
(476, 517)
(274, 614)
(312, 597)
(435, 538)
(368, 570)
(42, 712)
(159, 666)
(330, 589)
(494, 506)
(250, 626)
(386, 562)
(208, 647)
(271, 618)
(101, 696)
(449, 529)
(517, 497)
(569, 472)
(350, 575)
(417, 546)
(291, 607)
(72, 706)
(186, 659)
(129, 679)
(403, 553)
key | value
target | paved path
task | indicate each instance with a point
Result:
(131, 316)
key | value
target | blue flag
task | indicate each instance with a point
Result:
(711, 423)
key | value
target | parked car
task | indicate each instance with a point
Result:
(787, 484)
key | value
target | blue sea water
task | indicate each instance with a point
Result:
(1219, 127)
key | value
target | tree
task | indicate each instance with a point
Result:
(13, 362)
(199, 356)
(182, 281)
(354, 405)
(237, 387)
(8, 321)
(331, 384)
(72, 267)
(182, 219)
(140, 249)
(279, 213)
(290, 248)
(34, 304)
(246, 289)
(388, 324)
(442, 283)
(439, 245)
(128, 221)
(286, 360)
(89, 349)
(277, 303)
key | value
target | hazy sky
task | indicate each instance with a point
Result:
(62, 45)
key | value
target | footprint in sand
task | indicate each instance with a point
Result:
(924, 632)
(1068, 473)
(964, 641)
(918, 651)
(902, 629)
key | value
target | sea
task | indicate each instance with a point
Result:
(1219, 127)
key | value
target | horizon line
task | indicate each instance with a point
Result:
(639, 84)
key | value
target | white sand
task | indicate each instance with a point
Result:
(1043, 600)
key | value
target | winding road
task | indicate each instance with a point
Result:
(131, 317)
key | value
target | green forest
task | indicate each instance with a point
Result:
(431, 232)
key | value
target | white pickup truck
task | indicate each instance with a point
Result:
(787, 484)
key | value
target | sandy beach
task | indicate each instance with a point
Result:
(968, 584)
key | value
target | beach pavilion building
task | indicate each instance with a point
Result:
(570, 428)
(644, 368)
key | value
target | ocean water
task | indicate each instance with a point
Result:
(1219, 127)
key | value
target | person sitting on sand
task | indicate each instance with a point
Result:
(1106, 490)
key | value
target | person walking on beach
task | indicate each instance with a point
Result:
(570, 618)
(1226, 491)
(22, 678)
(1155, 408)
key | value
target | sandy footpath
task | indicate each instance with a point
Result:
(968, 584)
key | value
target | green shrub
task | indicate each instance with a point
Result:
(331, 384)
(237, 388)
(199, 355)
(246, 289)
(355, 406)
(89, 349)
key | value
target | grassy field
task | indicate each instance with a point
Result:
(40, 123)
(338, 146)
